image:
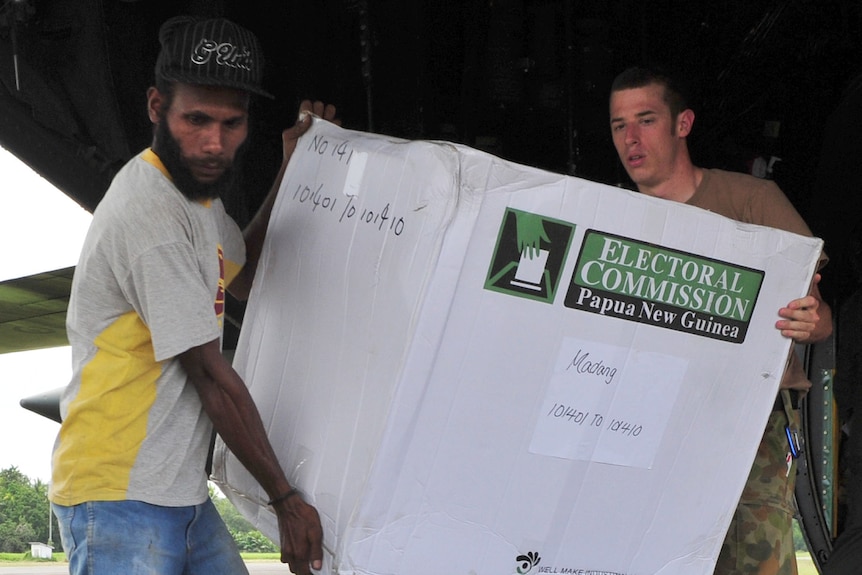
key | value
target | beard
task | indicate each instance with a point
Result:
(167, 149)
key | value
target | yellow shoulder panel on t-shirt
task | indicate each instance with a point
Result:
(150, 157)
(231, 270)
(118, 387)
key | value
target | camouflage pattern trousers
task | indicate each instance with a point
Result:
(760, 538)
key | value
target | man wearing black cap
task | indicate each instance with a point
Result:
(129, 485)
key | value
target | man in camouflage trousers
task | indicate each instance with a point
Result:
(760, 530)
(650, 122)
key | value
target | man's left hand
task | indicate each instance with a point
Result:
(800, 318)
(807, 319)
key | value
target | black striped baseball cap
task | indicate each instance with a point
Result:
(210, 52)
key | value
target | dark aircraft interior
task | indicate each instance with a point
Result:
(776, 86)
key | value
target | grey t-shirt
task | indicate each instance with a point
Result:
(149, 285)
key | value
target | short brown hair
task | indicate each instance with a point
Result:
(640, 77)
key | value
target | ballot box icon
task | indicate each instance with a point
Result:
(529, 255)
(530, 272)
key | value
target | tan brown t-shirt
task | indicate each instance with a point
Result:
(755, 201)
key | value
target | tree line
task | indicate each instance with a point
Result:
(25, 515)
(24, 512)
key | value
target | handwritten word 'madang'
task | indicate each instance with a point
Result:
(582, 364)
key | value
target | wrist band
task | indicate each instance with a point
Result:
(283, 496)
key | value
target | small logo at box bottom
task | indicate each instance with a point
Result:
(527, 562)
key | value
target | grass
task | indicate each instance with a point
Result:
(261, 556)
(805, 564)
(16, 557)
(26, 558)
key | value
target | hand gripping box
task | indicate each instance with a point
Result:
(475, 367)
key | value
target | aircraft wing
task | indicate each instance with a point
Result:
(33, 310)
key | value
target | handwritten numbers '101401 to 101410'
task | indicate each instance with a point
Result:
(382, 219)
(578, 417)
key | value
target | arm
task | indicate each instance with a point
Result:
(255, 232)
(226, 400)
(807, 319)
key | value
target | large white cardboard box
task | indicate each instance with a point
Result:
(474, 367)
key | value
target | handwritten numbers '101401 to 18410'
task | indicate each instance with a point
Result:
(578, 417)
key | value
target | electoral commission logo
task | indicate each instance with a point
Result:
(624, 278)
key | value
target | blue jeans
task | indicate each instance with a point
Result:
(131, 537)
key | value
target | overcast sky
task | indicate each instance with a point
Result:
(41, 229)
